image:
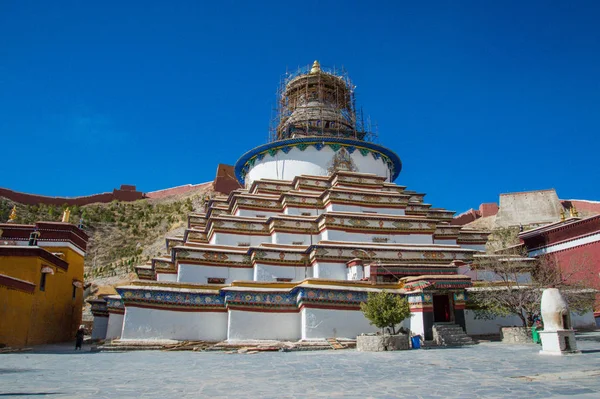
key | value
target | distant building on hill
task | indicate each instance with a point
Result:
(41, 282)
(527, 208)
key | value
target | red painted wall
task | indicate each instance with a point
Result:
(121, 194)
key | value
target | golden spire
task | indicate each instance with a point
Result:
(66, 215)
(13, 215)
(562, 214)
(316, 67)
(573, 211)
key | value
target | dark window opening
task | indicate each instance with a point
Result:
(215, 280)
(43, 282)
(284, 279)
(74, 295)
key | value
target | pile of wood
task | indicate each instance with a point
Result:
(188, 346)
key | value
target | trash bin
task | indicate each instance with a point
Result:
(535, 335)
(416, 342)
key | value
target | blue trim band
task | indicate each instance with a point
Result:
(280, 144)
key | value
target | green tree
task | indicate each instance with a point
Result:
(384, 309)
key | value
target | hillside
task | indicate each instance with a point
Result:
(122, 234)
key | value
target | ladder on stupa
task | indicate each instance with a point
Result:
(335, 344)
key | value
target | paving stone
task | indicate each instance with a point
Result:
(487, 370)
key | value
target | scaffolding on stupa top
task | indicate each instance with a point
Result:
(314, 101)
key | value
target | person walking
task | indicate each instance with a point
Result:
(79, 337)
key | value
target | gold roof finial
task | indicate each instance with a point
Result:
(13, 215)
(66, 215)
(562, 214)
(573, 211)
(316, 67)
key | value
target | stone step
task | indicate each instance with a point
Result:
(451, 335)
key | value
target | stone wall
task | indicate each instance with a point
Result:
(382, 343)
(516, 335)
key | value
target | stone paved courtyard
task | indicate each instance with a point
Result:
(487, 370)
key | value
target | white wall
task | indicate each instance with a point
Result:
(336, 271)
(488, 275)
(142, 323)
(416, 324)
(585, 320)
(234, 239)
(166, 277)
(253, 213)
(479, 327)
(339, 235)
(445, 241)
(263, 325)
(309, 162)
(477, 247)
(356, 272)
(290, 238)
(327, 323)
(200, 273)
(115, 326)
(296, 211)
(264, 272)
(99, 327)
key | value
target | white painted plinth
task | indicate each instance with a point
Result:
(559, 342)
(319, 324)
(246, 325)
(115, 326)
(153, 324)
(99, 327)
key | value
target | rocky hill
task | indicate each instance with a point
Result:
(122, 234)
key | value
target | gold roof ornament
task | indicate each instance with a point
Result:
(573, 211)
(316, 67)
(562, 214)
(13, 215)
(66, 215)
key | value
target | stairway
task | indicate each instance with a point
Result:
(335, 344)
(448, 334)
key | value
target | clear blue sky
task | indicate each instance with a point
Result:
(477, 98)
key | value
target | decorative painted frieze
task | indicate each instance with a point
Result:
(473, 237)
(383, 200)
(214, 256)
(98, 307)
(393, 254)
(168, 299)
(145, 272)
(115, 304)
(447, 231)
(326, 298)
(293, 225)
(376, 222)
(163, 266)
(440, 214)
(280, 301)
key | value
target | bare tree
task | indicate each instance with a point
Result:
(513, 284)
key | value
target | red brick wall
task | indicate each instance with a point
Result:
(489, 209)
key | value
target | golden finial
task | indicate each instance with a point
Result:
(573, 211)
(66, 215)
(13, 215)
(562, 214)
(316, 67)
